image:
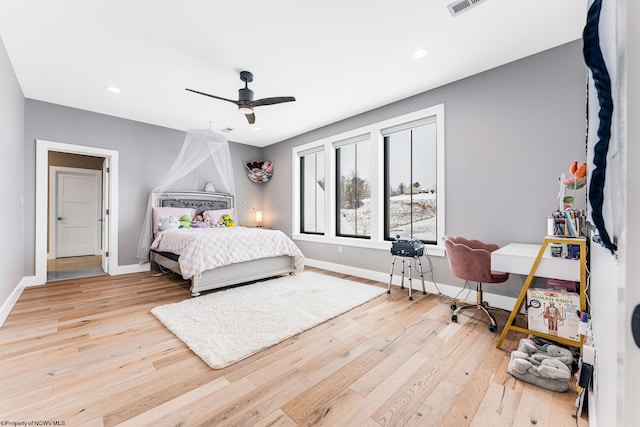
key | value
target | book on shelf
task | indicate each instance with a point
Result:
(569, 221)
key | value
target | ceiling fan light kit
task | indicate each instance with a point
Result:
(245, 101)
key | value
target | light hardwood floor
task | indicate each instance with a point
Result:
(88, 352)
(74, 267)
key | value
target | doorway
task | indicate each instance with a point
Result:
(76, 217)
(99, 255)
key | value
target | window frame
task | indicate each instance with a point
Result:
(387, 133)
(302, 156)
(376, 167)
(337, 180)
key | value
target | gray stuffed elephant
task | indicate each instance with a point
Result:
(546, 366)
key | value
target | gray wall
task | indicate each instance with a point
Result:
(248, 194)
(11, 138)
(510, 133)
(145, 154)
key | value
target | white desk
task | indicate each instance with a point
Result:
(518, 258)
(533, 261)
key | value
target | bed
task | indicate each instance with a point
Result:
(216, 257)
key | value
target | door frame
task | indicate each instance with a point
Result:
(43, 147)
(54, 171)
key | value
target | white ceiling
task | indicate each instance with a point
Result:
(338, 58)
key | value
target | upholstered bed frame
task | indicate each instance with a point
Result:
(222, 276)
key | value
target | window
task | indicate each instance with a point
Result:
(364, 186)
(353, 192)
(410, 180)
(312, 184)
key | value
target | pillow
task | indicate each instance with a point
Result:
(214, 217)
(161, 213)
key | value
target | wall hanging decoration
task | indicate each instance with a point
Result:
(259, 172)
(595, 62)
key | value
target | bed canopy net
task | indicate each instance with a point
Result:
(204, 158)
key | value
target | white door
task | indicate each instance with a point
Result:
(105, 216)
(76, 222)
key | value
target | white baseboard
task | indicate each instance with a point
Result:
(591, 399)
(31, 281)
(494, 300)
(132, 268)
(7, 306)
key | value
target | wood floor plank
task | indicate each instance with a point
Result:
(89, 352)
(159, 414)
(534, 407)
(384, 393)
(334, 410)
(467, 403)
(414, 342)
(306, 403)
(407, 396)
(498, 407)
(276, 419)
(436, 406)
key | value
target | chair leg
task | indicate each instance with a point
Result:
(479, 304)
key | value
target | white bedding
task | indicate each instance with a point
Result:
(203, 249)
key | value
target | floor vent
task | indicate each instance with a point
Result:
(457, 7)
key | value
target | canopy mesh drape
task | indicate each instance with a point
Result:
(204, 157)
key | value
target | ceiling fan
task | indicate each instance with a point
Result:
(245, 100)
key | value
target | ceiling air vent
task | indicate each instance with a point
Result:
(457, 7)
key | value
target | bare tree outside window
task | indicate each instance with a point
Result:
(353, 193)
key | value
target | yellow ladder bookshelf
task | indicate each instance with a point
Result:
(509, 326)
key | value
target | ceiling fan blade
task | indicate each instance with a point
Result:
(213, 96)
(251, 118)
(271, 101)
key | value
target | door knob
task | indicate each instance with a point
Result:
(61, 219)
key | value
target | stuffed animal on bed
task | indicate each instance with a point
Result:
(185, 221)
(169, 223)
(198, 222)
(227, 220)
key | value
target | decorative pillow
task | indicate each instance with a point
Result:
(160, 213)
(215, 216)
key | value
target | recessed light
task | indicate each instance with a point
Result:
(113, 89)
(420, 53)
(256, 128)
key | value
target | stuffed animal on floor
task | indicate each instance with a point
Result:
(169, 223)
(546, 366)
(547, 351)
(185, 221)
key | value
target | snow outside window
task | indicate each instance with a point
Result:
(364, 186)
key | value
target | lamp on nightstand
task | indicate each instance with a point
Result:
(258, 218)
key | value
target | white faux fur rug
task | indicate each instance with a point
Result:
(227, 326)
